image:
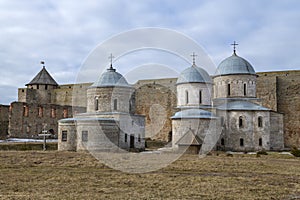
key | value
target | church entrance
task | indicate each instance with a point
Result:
(131, 141)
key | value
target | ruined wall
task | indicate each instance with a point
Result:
(4, 113)
(280, 91)
(156, 99)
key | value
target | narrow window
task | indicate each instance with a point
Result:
(46, 87)
(139, 138)
(40, 111)
(186, 97)
(260, 122)
(64, 136)
(25, 111)
(260, 142)
(241, 142)
(222, 142)
(84, 136)
(96, 103)
(228, 89)
(125, 139)
(37, 87)
(200, 97)
(245, 89)
(240, 121)
(65, 113)
(53, 112)
(115, 104)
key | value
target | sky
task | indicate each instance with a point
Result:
(64, 34)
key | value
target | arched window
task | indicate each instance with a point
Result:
(200, 97)
(260, 122)
(96, 103)
(222, 142)
(115, 104)
(240, 121)
(245, 89)
(241, 142)
(260, 142)
(228, 89)
(186, 97)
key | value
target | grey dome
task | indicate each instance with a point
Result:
(194, 74)
(111, 78)
(193, 114)
(234, 65)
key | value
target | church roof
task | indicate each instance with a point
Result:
(242, 105)
(111, 78)
(193, 114)
(234, 65)
(189, 138)
(42, 78)
(194, 74)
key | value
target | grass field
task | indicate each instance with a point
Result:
(77, 175)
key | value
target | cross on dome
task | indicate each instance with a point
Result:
(111, 60)
(234, 44)
(194, 56)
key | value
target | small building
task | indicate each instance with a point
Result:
(246, 124)
(194, 126)
(109, 123)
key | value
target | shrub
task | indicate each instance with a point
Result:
(295, 151)
(262, 152)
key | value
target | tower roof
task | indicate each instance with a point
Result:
(43, 78)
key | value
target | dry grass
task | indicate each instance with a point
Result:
(70, 175)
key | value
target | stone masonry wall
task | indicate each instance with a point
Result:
(280, 91)
(4, 113)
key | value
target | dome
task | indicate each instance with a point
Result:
(234, 65)
(193, 114)
(111, 78)
(194, 74)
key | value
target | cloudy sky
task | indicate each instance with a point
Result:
(63, 33)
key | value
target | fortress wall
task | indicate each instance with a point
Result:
(287, 99)
(156, 99)
(4, 120)
(64, 94)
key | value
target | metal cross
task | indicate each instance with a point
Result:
(234, 46)
(111, 60)
(194, 55)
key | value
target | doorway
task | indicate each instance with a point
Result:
(131, 141)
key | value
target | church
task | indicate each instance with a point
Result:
(223, 112)
(220, 113)
(234, 109)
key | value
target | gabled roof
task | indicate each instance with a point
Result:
(190, 138)
(42, 78)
